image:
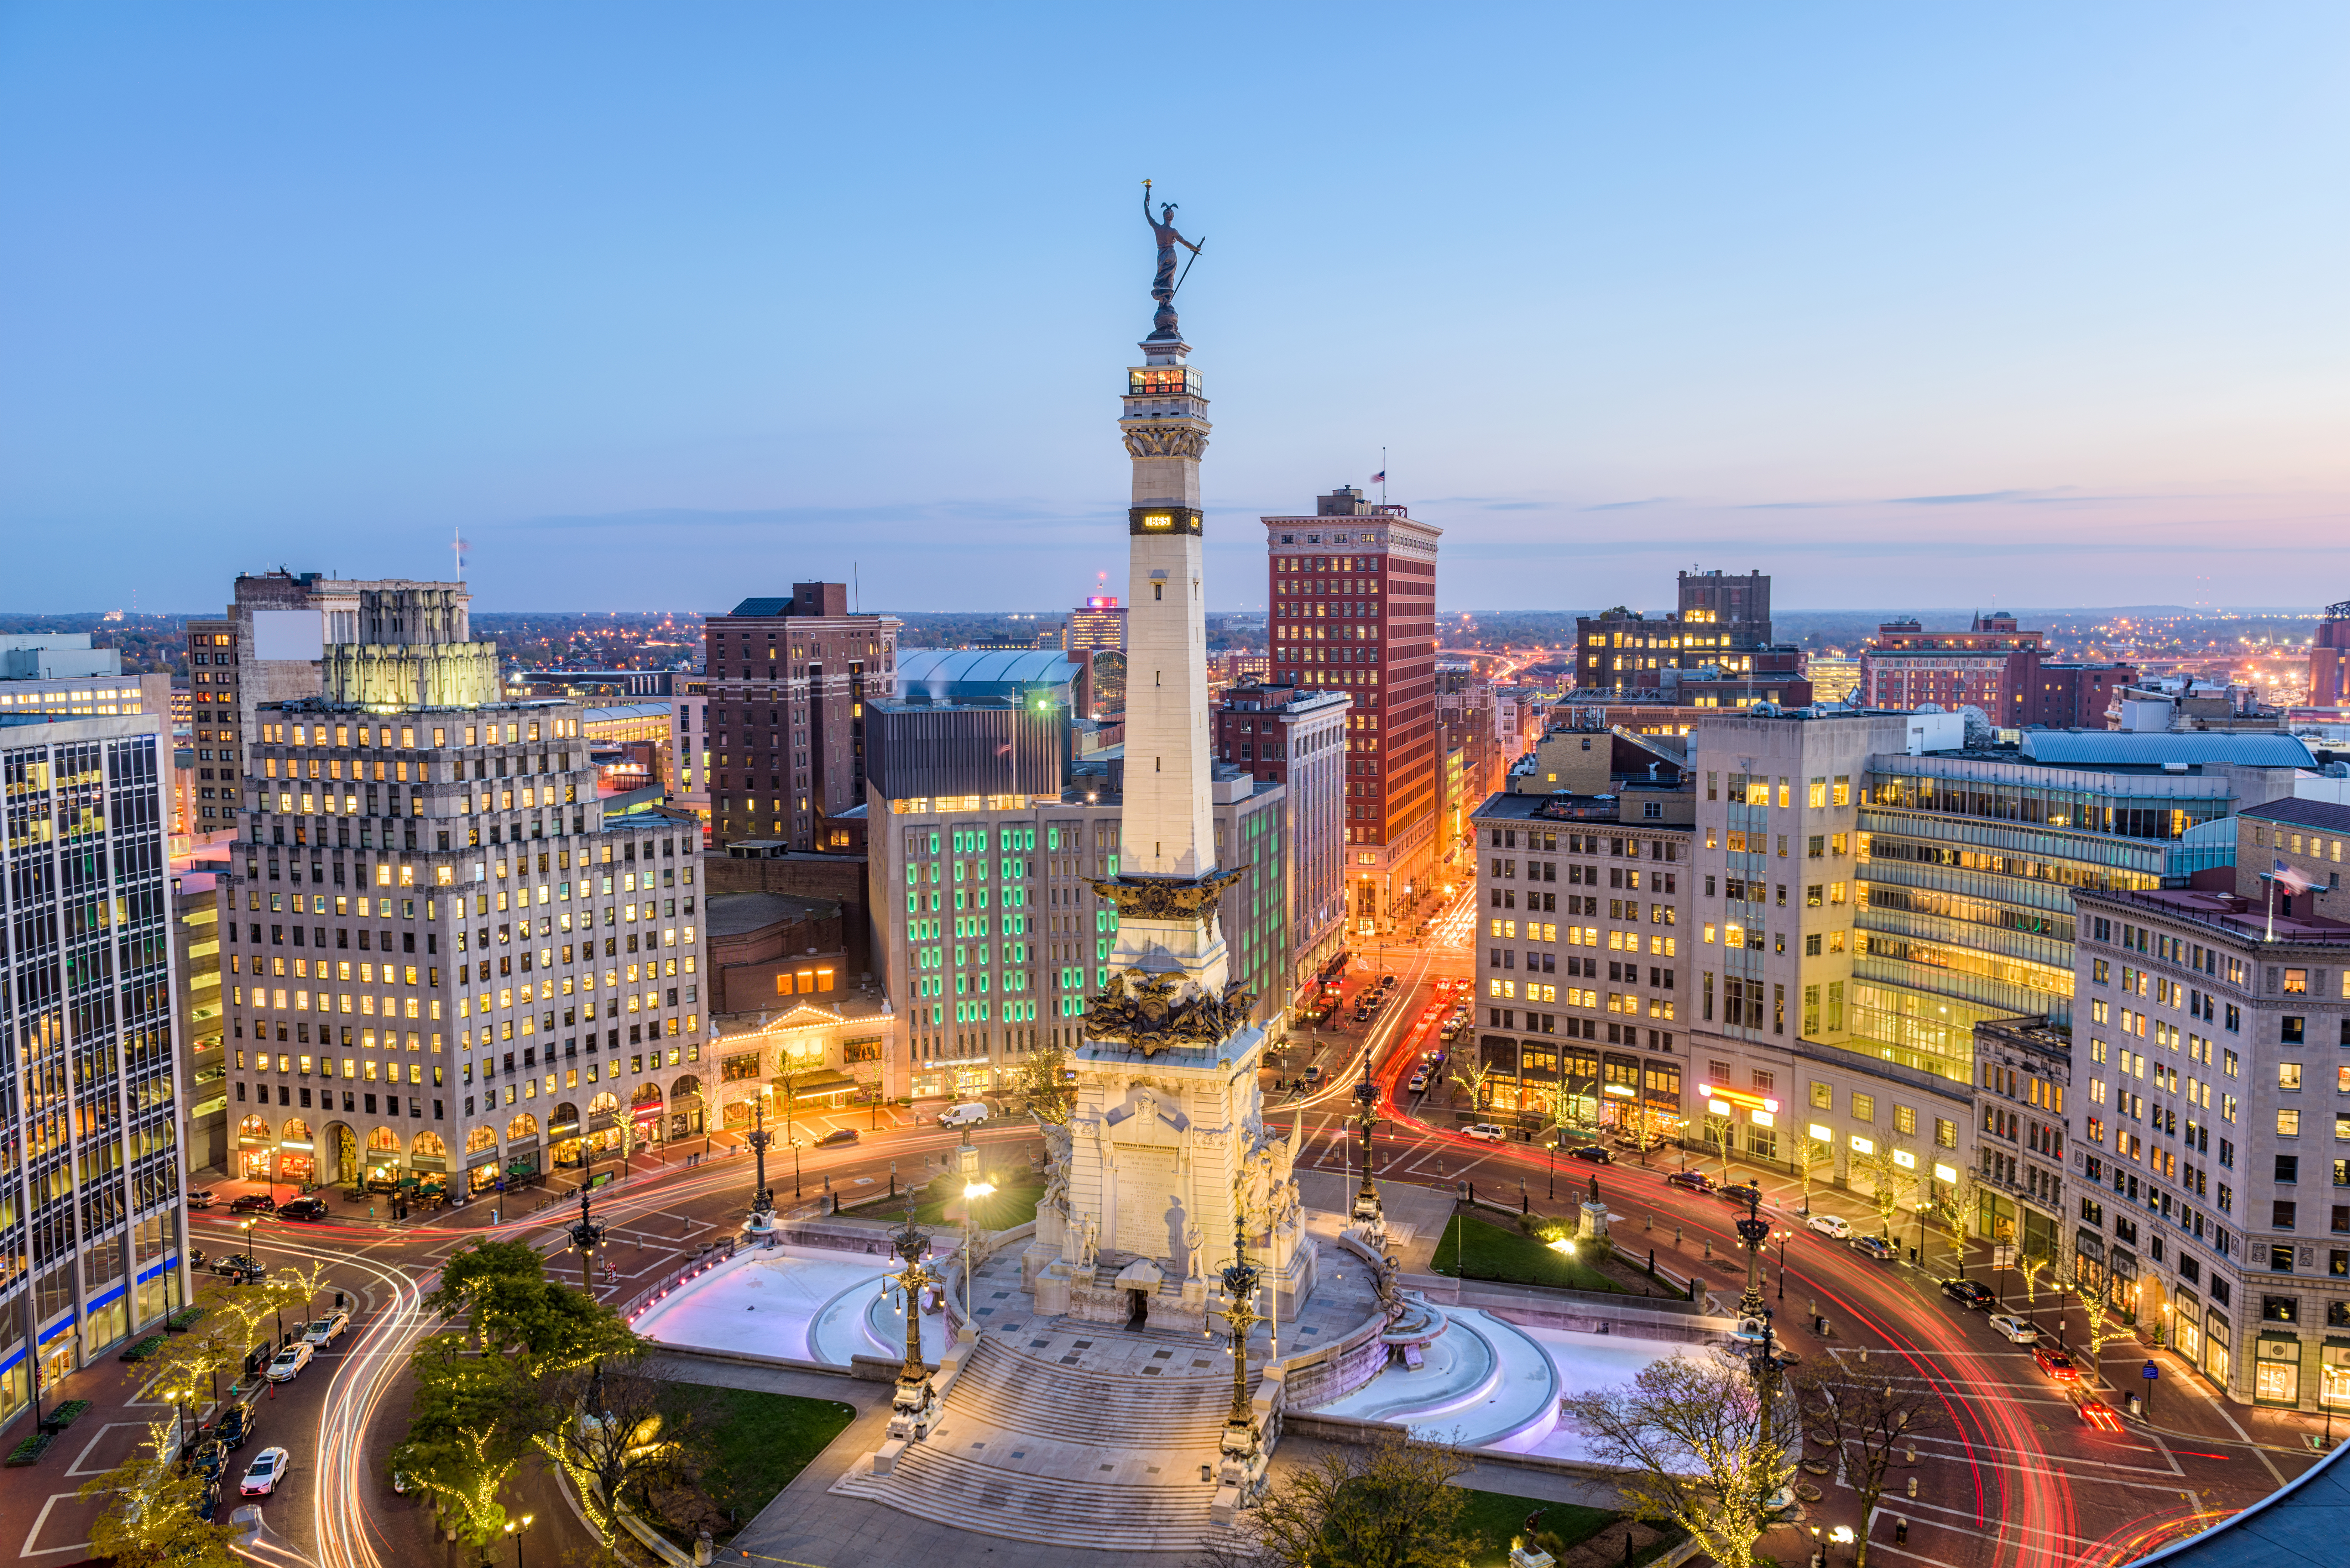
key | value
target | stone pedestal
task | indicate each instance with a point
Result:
(1053, 1287)
(913, 1410)
(1591, 1223)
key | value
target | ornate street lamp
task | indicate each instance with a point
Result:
(1244, 1454)
(584, 1232)
(1368, 1213)
(1753, 1230)
(915, 1404)
(763, 1202)
(974, 1188)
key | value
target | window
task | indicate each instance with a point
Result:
(1945, 1133)
(1904, 1119)
(1864, 1107)
(2289, 1077)
(2288, 1124)
(2280, 1309)
(2280, 1215)
(2292, 1030)
(1823, 1096)
(2296, 981)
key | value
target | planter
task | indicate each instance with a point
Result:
(30, 1450)
(181, 1321)
(1807, 1492)
(65, 1414)
(1817, 1466)
(144, 1350)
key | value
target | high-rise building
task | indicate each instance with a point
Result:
(1989, 666)
(198, 968)
(2329, 658)
(444, 964)
(1296, 738)
(1098, 623)
(1718, 641)
(788, 680)
(689, 743)
(1740, 605)
(92, 1231)
(1353, 591)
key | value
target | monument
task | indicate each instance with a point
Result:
(1165, 1152)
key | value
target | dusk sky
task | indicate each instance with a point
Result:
(660, 305)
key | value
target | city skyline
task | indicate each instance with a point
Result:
(1612, 297)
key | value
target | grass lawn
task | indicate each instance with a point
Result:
(1511, 1256)
(1014, 1202)
(766, 1440)
(1492, 1518)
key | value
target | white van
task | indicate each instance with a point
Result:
(970, 1113)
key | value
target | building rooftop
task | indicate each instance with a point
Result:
(2304, 1522)
(1509, 807)
(2244, 920)
(615, 714)
(2319, 813)
(955, 674)
(2115, 748)
(735, 914)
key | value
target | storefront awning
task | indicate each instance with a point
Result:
(817, 1085)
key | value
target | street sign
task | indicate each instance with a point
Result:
(2150, 1372)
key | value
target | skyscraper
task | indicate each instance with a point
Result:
(92, 1241)
(788, 678)
(1099, 623)
(1353, 591)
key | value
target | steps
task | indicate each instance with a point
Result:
(1021, 1394)
(952, 1489)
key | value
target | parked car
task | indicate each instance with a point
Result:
(838, 1136)
(1691, 1181)
(2016, 1330)
(210, 1456)
(323, 1332)
(1485, 1132)
(304, 1209)
(1832, 1225)
(234, 1425)
(252, 1203)
(239, 1266)
(1876, 1247)
(2055, 1363)
(288, 1363)
(1313, 1073)
(268, 1469)
(203, 1198)
(1594, 1154)
(1419, 1085)
(1969, 1292)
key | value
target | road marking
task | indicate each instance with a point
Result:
(43, 1518)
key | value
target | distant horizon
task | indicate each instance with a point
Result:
(2314, 612)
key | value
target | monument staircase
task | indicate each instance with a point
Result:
(1034, 1450)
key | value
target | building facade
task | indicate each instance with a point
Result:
(1096, 624)
(1989, 666)
(393, 1015)
(2214, 1199)
(1296, 738)
(788, 680)
(688, 745)
(1353, 595)
(204, 1025)
(92, 1225)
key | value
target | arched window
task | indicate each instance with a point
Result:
(258, 1127)
(522, 1126)
(604, 1105)
(383, 1140)
(647, 1095)
(296, 1130)
(689, 1085)
(479, 1139)
(430, 1144)
(566, 1115)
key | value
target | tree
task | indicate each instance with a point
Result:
(1041, 1084)
(150, 1520)
(2102, 1324)
(2032, 1267)
(1889, 1181)
(1700, 1445)
(1871, 1415)
(1950, 1211)
(627, 1429)
(470, 1421)
(1389, 1504)
(1718, 1130)
(1809, 1152)
(1474, 1078)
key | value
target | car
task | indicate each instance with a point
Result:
(1876, 1247)
(2097, 1413)
(838, 1136)
(2016, 1330)
(1419, 1085)
(1738, 1191)
(1313, 1073)
(203, 1198)
(2055, 1363)
(234, 1425)
(288, 1363)
(1485, 1132)
(304, 1209)
(209, 1458)
(323, 1332)
(238, 1265)
(208, 1504)
(1970, 1292)
(1594, 1154)
(1835, 1226)
(268, 1469)
(1637, 1146)
(252, 1203)
(1691, 1181)
(970, 1113)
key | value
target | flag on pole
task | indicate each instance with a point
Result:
(1380, 477)
(2300, 882)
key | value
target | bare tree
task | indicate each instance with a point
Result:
(1389, 1504)
(1718, 1131)
(150, 1520)
(1701, 1445)
(1473, 1079)
(2102, 1326)
(1809, 1152)
(1870, 1416)
(627, 1430)
(1889, 1181)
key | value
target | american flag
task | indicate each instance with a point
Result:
(1380, 477)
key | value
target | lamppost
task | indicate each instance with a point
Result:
(584, 1232)
(763, 1202)
(1753, 1230)
(1550, 1155)
(517, 1533)
(974, 1188)
(1366, 1198)
(1239, 1444)
(914, 1405)
(1783, 1263)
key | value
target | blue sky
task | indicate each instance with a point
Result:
(658, 306)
